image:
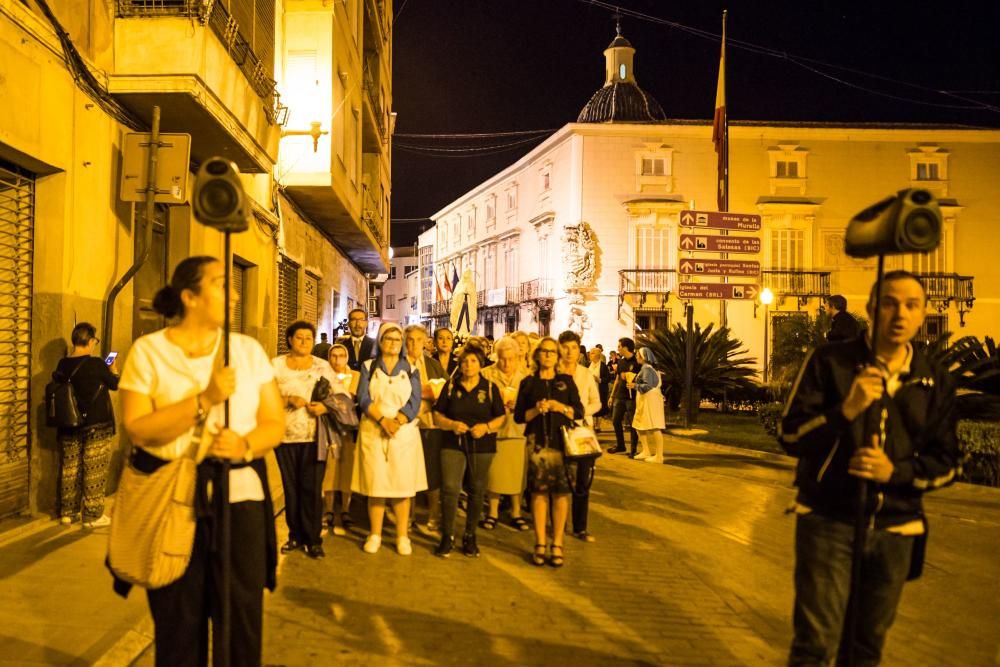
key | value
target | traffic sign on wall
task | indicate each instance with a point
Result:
(717, 291)
(749, 245)
(737, 222)
(719, 267)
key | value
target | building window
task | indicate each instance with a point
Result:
(392, 272)
(788, 249)
(511, 276)
(927, 171)
(413, 303)
(652, 320)
(546, 180)
(787, 169)
(390, 302)
(491, 210)
(934, 325)
(652, 246)
(470, 224)
(512, 198)
(653, 166)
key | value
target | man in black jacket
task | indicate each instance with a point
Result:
(843, 326)
(823, 425)
(360, 348)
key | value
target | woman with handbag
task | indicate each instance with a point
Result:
(304, 382)
(508, 473)
(649, 420)
(470, 410)
(389, 462)
(546, 401)
(590, 397)
(173, 387)
(337, 478)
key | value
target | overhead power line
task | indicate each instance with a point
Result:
(810, 64)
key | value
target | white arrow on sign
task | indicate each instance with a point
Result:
(751, 291)
(686, 267)
(687, 242)
(687, 217)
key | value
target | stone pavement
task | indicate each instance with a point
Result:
(692, 567)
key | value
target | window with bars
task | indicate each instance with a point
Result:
(652, 247)
(788, 249)
(288, 299)
(934, 325)
(310, 299)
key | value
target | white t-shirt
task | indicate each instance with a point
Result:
(300, 426)
(160, 369)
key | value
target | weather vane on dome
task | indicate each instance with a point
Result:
(618, 22)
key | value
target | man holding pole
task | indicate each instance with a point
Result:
(915, 450)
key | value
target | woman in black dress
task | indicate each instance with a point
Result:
(547, 401)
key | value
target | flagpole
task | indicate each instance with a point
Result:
(724, 154)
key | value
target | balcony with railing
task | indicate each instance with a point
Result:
(943, 289)
(513, 294)
(209, 67)
(800, 284)
(539, 288)
(646, 288)
(375, 134)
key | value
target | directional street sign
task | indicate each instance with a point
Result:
(732, 244)
(740, 222)
(719, 267)
(716, 291)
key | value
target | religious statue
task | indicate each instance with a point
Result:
(579, 256)
(463, 306)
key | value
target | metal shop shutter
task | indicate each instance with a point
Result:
(288, 299)
(17, 198)
(236, 321)
(310, 300)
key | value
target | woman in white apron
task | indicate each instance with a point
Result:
(389, 462)
(649, 420)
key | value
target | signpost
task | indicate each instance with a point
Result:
(745, 245)
(737, 222)
(719, 267)
(729, 291)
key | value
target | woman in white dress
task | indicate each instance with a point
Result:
(389, 461)
(649, 420)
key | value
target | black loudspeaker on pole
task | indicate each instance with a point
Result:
(907, 222)
(220, 203)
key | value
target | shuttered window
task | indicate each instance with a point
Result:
(310, 299)
(288, 299)
(17, 198)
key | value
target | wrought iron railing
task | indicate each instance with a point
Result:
(797, 283)
(639, 281)
(374, 94)
(439, 308)
(948, 287)
(536, 289)
(513, 293)
(372, 214)
(228, 30)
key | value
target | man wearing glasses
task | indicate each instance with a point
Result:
(360, 348)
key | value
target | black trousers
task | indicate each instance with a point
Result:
(181, 610)
(622, 412)
(302, 480)
(581, 493)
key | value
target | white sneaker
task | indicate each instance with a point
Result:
(403, 546)
(373, 543)
(642, 457)
(339, 531)
(103, 521)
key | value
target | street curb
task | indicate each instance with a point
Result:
(753, 453)
(130, 646)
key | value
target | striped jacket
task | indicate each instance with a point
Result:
(919, 436)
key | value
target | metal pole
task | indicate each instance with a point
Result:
(689, 368)
(147, 234)
(872, 427)
(226, 555)
(767, 326)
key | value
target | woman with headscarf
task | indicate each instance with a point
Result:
(340, 466)
(389, 461)
(649, 420)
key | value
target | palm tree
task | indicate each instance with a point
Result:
(719, 362)
(975, 367)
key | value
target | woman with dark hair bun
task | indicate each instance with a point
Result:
(173, 388)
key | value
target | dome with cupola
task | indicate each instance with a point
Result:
(620, 99)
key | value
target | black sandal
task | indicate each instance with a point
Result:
(489, 523)
(346, 521)
(538, 557)
(554, 560)
(328, 519)
(518, 523)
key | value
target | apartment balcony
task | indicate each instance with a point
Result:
(375, 133)
(646, 289)
(513, 294)
(209, 67)
(943, 289)
(441, 308)
(376, 26)
(537, 290)
(803, 285)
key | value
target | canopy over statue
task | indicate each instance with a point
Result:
(463, 306)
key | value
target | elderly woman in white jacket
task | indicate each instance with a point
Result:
(590, 396)
(649, 420)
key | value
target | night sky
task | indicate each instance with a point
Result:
(488, 66)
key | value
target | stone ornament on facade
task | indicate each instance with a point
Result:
(579, 256)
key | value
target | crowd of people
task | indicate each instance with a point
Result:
(406, 417)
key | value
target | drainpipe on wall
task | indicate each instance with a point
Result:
(147, 236)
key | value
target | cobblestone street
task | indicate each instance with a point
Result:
(692, 566)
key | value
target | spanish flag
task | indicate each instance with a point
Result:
(720, 128)
(444, 276)
(437, 290)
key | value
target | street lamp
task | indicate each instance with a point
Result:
(766, 298)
